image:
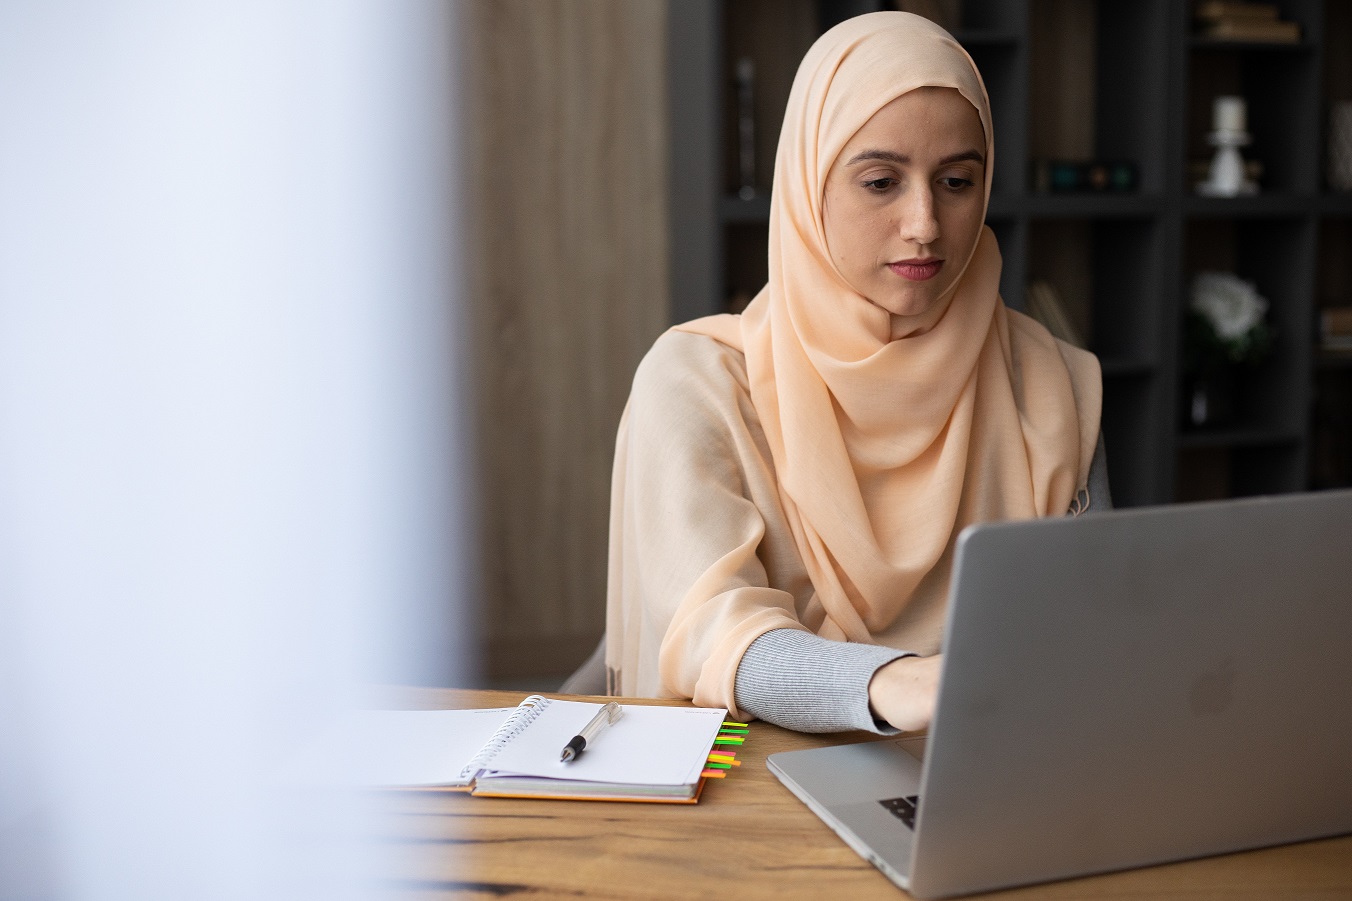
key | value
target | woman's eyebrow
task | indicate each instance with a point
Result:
(888, 156)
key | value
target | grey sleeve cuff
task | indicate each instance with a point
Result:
(808, 683)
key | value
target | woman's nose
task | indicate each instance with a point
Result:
(918, 222)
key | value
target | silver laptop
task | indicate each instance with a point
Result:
(1118, 690)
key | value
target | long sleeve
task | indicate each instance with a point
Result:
(698, 535)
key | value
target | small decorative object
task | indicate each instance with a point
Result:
(1340, 146)
(1106, 177)
(746, 128)
(1226, 176)
(1226, 329)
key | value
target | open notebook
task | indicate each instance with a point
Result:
(650, 754)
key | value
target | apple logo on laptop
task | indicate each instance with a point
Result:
(1214, 690)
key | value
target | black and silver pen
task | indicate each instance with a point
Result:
(578, 743)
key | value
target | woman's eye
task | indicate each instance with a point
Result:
(956, 183)
(879, 185)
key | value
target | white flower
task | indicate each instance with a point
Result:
(1232, 305)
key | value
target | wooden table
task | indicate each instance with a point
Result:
(747, 838)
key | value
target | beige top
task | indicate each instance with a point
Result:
(695, 481)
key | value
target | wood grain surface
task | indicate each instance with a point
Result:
(566, 187)
(748, 838)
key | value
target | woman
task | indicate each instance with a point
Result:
(789, 483)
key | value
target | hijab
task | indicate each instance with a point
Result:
(885, 447)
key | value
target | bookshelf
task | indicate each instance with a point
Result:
(1085, 80)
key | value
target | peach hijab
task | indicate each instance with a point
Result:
(885, 447)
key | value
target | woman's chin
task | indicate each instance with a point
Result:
(907, 308)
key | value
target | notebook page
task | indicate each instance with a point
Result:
(419, 747)
(647, 746)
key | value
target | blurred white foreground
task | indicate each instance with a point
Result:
(229, 450)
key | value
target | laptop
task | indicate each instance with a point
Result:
(1118, 689)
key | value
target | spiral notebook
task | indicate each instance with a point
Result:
(650, 754)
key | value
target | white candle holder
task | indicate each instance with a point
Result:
(1225, 177)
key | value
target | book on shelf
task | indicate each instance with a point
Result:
(1335, 329)
(651, 753)
(1257, 32)
(1217, 10)
(1232, 20)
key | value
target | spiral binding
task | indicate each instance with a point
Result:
(525, 714)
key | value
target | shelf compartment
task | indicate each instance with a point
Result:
(774, 35)
(1215, 471)
(1278, 257)
(1308, 14)
(1081, 108)
(1109, 274)
(1281, 87)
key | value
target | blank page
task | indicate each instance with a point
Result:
(420, 747)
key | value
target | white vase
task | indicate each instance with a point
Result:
(1340, 146)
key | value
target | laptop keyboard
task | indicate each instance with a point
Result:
(903, 808)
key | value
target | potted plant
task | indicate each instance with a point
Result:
(1226, 329)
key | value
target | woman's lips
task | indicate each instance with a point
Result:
(917, 270)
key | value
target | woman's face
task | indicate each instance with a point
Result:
(904, 200)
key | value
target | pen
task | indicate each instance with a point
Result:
(578, 743)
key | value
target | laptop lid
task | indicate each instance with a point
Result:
(1140, 686)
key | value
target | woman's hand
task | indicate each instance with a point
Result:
(903, 692)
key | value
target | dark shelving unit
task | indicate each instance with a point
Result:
(1085, 80)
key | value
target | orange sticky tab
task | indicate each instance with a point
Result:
(714, 774)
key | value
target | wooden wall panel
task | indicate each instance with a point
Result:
(567, 194)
